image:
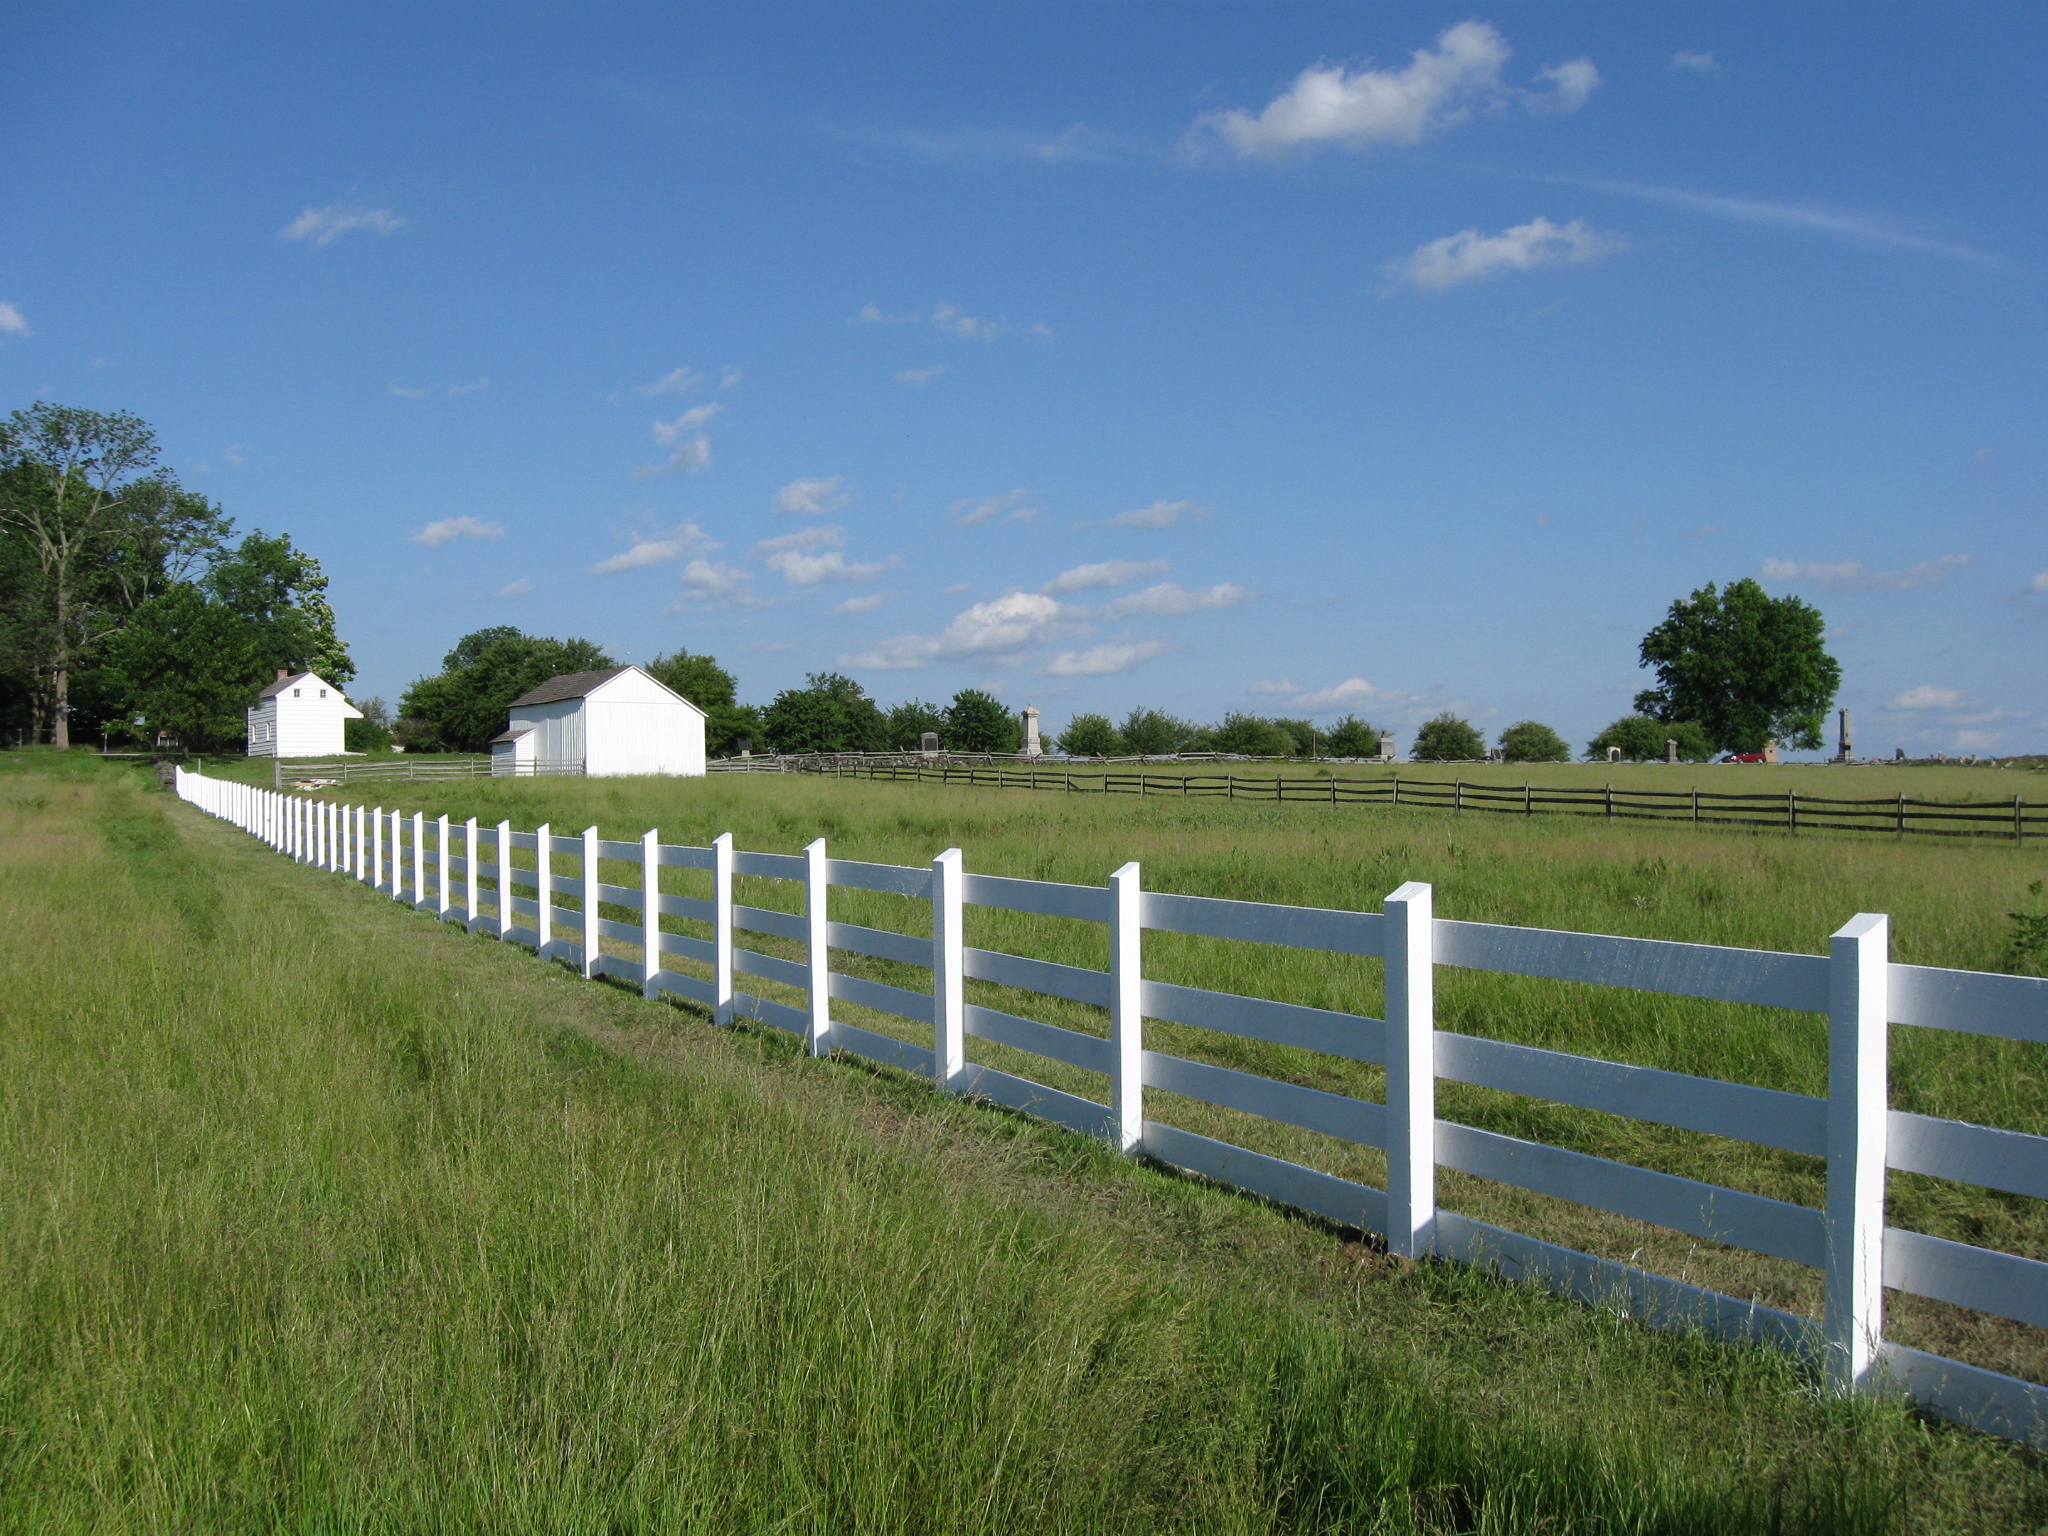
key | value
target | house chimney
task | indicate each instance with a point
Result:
(282, 674)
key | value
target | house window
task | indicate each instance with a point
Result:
(295, 693)
(323, 693)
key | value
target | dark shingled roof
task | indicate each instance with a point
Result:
(570, 685)
(283, 683)
(513, 734)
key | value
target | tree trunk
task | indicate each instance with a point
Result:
(60, 674)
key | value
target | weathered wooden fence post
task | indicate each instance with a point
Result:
(1411, 1070)
(1126, 1006)
(817, 949)
(507, 918)
(721, 928)
(593, 942)
(544, 889)
(1859, 974)
(949, 971)
(650, 912)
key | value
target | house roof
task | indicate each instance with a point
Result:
(570, 685)
(283, 683)
(513, 734)
(276, 690)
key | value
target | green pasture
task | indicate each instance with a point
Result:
(319, 1216)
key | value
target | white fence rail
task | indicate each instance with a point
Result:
(438, 867)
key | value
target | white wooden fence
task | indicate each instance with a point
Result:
(437, 867)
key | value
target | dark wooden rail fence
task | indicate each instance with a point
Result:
(1788, 811)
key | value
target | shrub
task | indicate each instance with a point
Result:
(1352, 737)
(1448, 739)
(1089, 736)
(365, 736)
(1252, 736)
(1149, 733)
(1531, 741)
(1642, 739)
(981, 722)
(909, 721)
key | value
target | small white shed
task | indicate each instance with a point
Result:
(612, 722)
(299, 716)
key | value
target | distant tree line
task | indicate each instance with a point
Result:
(127, 606)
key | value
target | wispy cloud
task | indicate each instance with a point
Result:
(867, 602)
(235, 455)
(1276, 685)
(1700, 63)
(1104, 573)
(811, 556)
(1002, 626)
(323, 226)
(812, 498)
(917, 378)
(716, 585)
(1161, 514)
(688, 458)
(1858, 228)
(11, 322)
(972, 511)
(1103, 660)
(2039, 583)
(689, 421)
(517, 588)
(679, 382)
(1855, 576)
(656, 549)
(1166, 598)
(949, 319)
(449, 529)
(1441, 86)
(1926, 696)
(728, 378)
(439, 391)
(1352, 692)
(1468, 255)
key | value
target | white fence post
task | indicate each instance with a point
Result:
(1126, 1005)
(543, 881)
(592, 943)
(949, 970)
(419, 860)
(721, 928)
(361, 870)
(1411, 1070)
(469, 869)
(330, 821)
(506, 917)
(650, 911)
(377, 849)
(816, 949)
(1858, 1039)
(441, 855)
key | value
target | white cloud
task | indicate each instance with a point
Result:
(1855, 576)
(949, 319)
(689, 421)
(656, 549)
(1856, 227)
(449, 529)
(681, 381)
(403, 393)
(1687, 58)
(957, 588)
(447, 391)
(811, 556)
(1352, 691)
(687, 459)
(11, 322)
(814, 497)
(1926, 696)
(322, 226)
(1102, 660)
(1161, 514)
(1168, 598)
(235, 455)
(1468, 255)
(1440, 87)
(1104, 573)
(706, 582)
(728, 378)
(919, 377)
(517, 588)
(2039, 583)
(867, 603)
(970, 511)
(1007, 624)
(1276, 685)
(457, 390)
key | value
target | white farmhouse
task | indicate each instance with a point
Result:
(615, 721)
(299, 716)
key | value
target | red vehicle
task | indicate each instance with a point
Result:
(1745, 757)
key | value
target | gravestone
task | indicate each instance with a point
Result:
(1031, 744)
(928, 743)
(1670, 749)
(1614, 754)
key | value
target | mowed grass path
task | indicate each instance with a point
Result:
(321, 1217)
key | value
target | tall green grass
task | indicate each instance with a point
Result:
(316, 1216)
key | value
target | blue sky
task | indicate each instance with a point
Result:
(1299, 359)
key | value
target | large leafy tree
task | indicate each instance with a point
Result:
(96, 530)
(1640, 739)
(197, 654)
(1448, 739)
(981, 722)
(1352, 737)
(1089, 736)
(909, 721)
(467, 703)
(1748, 667)
(706, 684)
(1531, 741)
(830, 713)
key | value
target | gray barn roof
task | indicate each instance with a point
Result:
(570, 685)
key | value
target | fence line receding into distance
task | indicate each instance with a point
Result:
(499, 881)
(1787, 811)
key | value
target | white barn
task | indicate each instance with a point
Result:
(299, 716)
(611, 722)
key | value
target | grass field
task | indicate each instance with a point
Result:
(322, 1217)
